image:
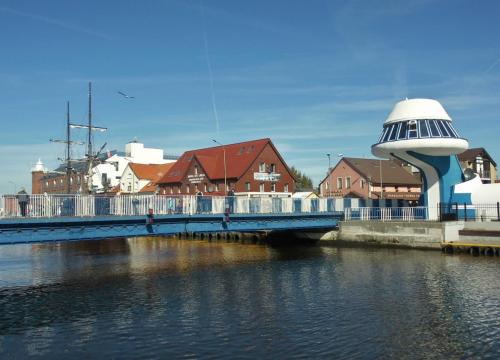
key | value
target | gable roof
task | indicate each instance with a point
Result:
(149, 188)
(239, 157)
(392, 171)
(470, 155)
(153, 172)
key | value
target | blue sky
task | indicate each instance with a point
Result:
(315, 76)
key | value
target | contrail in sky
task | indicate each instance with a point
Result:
(209, 65)
(52, 21)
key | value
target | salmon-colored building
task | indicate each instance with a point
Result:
(252, 167)
(372, 179)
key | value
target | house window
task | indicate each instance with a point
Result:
(339, 183)
(187, 189)
(247, 186)
(273, 187)
(196, 169)
(362, 183)
(104, 179)
(348, 182)
(179, 190)
(216, 186)
(171, 189)
(196, 187)
(129, 188)
(261, 187)
(262, 167)
(285, 188)
(273, 168)
(205, 187)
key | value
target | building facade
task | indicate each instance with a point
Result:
(136, 177)
(248, 168)
(371, 179)
(479, 161)
(106, 172)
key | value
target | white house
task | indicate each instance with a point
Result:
(136, 176)
(108, 174)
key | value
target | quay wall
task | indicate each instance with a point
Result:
(417, 234)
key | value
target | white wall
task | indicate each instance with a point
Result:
(135, 152)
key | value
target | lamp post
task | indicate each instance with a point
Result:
(225, 170)
(328, 183)
(14, 186)
(381, 181)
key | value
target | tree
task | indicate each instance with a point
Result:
(302, 181)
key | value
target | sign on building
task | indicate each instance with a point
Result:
(264, 176)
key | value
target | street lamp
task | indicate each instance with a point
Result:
(381, 182)
(14, 184)
(225, 171)
(329, 175)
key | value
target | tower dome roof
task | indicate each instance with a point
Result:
(38, 166)
(417, 109)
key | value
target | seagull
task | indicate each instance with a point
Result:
(125, 95)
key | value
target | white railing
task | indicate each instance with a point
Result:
(386, 213)
(12, 206)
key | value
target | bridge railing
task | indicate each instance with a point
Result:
(127, 205)
(387, 213)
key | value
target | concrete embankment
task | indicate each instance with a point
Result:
(417, 234)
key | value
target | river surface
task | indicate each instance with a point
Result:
(167, 298)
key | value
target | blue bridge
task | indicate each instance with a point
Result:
(77, 217)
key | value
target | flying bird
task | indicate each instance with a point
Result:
(125, 95)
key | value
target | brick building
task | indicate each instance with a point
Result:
(55, 182)
(252, 167)
(372, 179)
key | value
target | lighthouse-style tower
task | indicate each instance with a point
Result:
(420, 132)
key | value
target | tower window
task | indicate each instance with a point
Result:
(443, 129)
(450, 129)
(402, 131)
(434, 129)
(424, 131)
(394, 132)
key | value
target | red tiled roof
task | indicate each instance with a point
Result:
(149, 188)
(152, 172)
(239, 157)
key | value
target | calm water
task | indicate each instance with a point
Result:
(163, 298)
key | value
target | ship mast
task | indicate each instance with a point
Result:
(68, 151)
(90, 155)
(68, 143)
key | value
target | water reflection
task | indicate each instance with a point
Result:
(131, 298)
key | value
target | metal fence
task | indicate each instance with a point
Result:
(12, 206)
(386, 213)
(465, 212)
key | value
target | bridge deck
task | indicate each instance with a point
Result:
(27, 230)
